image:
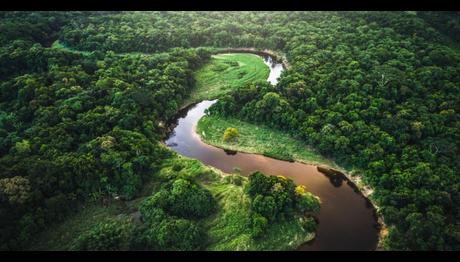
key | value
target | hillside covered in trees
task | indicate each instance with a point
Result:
(85, 98)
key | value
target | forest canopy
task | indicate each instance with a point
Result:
(84, 97)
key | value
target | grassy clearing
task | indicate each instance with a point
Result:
(58, 45)
(257, 139)
(224, 73)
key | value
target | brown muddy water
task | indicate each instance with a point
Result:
(347, 220)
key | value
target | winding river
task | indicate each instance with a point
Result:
(346, 219)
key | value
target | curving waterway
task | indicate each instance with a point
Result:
(346, 219)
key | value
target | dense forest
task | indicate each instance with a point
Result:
(84, 98)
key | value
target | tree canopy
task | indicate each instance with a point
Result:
(83, 96)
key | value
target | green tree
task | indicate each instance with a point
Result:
(112, 234)
(231, 134)
(179, 234)
(22, 147)
(15, 190)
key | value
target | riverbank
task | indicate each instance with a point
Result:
(258, 139)
(276, 144)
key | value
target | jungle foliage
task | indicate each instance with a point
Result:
(377, 91)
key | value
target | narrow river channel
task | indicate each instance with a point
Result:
(346, 219)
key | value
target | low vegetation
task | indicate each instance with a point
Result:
(257, 139)
(224, 73)
(63, 236)
(112, 234)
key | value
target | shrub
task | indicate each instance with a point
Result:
(308, 225)
(259, 225)
(277, 197)
(178, 234)
(180, 198)
(234, 179)
(141, 239)
(258, 184)
(150, 211)
(264, 205)
(206, 174)
(149, 238)
(177, 167)
(159, 200)
(164, 231)
(189, 200)
(307, 203)
(231, 134)
(112, 234)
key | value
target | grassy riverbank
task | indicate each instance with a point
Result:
(258, 140)
(224, 73)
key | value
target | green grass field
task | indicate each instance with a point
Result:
(258, 140)
(224, 73)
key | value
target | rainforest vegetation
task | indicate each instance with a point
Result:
(85, 98)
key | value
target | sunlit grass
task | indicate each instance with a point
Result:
(257, 139)
(224, 73)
